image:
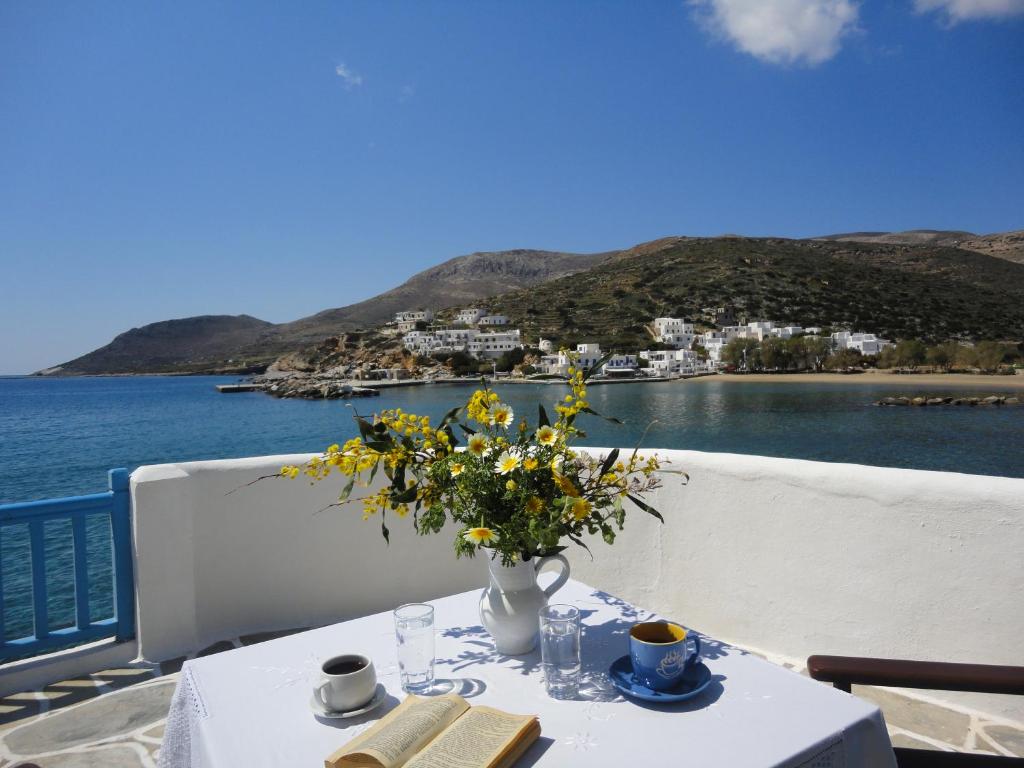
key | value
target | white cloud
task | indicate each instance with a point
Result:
(781, 31)
(350, 78)
(956, 11)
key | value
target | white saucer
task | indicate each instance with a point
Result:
(378, 697)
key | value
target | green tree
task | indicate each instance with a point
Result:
(818, 349)
(742, 353)
(942, 356)
(910, 353)
(990, 355)
(510, 359)
(774, 354)
(843, 360)
(887, 358)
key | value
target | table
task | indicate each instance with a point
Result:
(250, 706)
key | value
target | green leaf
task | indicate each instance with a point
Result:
(597, 366)
(384, 530)
(608, 462)
(365, 427)
(646, 507)
(542, 417)
(409, 494)
(580, 542)
(592, 412)
(347, 490)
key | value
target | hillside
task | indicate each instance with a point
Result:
(206, 342)
(456, 282)
(894, 290)
(1004, 245)
(221, 343)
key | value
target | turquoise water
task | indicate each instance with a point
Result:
(58, 437)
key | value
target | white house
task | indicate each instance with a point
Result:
(865, 343)
(414, 316)
(470, 316)
(494, 345)
(492, 320)
(674, 331)
(620, 365)
(559, 364)
(672, 362)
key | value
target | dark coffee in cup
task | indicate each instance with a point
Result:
(344, 666)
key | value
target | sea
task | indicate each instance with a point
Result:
(59, 436)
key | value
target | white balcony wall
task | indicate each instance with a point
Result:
(797, 557)
(215, 559)
(784, 556)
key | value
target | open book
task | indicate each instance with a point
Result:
(440, 732)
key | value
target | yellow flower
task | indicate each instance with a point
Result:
(566, 485)
(506, 463)
(510, 485)
(530, 464)
(534, 505)
(456, 469)
(477, 445)
(580, 508)
(500, 415)
(546, 436)
(480, 536)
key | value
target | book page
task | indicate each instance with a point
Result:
(478, 739)
(401, 734)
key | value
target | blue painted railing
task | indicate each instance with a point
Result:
(117, 504)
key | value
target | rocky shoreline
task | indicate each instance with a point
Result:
(932, 401)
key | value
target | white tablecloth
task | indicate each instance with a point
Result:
(250, 707)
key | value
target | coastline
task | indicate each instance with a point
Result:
(904, 381)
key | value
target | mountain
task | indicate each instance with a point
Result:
(456, 282)
(221, 343)
(206, 342)
(1005, 245)
(923, 291)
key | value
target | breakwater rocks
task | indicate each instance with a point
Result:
(312, 389)
(968, 401)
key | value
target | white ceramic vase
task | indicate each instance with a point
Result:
(509, 604)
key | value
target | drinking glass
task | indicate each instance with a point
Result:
(560, 650)
(414, 632)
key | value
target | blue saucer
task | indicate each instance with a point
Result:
(695, 680)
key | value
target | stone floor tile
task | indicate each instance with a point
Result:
(903, 740)
(122, 678)
(16, 708)
(110, 715)
(917, 716)
(1006, 737)
(110, 757)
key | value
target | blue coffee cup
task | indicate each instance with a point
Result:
(661, 653)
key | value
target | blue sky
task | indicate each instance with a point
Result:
(162, 160)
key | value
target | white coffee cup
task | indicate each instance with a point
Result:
(346, 682)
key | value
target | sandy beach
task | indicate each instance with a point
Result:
(904, 381)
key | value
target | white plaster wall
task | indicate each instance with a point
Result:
(216, 559)
(799, 557)
(789, 557)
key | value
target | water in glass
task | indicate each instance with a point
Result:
(560, 650)
(414, 632)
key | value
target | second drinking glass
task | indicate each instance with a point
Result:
(560, 650)
(414, 633)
